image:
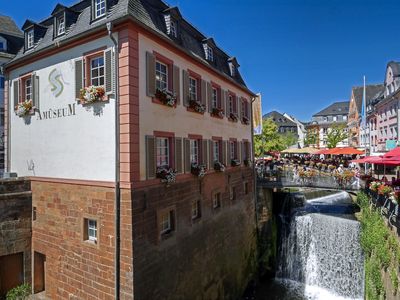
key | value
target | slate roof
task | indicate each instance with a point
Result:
(279, 119)
(372, 91)
(8, 27)
(395, 68)
(337, 108)
(148, 14)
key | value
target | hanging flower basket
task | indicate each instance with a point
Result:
(217, 112)
(374, 185)
(218, 166)
(384, 190)
(245, 120)
(166, 97)
(92, 94)
(196, 106)
(167, 175)
(198, 170)
(24, 108)
(233, 117)
(235, 163)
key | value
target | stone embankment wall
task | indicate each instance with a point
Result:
(211, 257)
(15, 233)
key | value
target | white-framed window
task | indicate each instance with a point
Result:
(97, 71)
(210, 53)
(214, 98)
(194, 151)
(216, 151)
(99, 8)
(173, 28)
(195, 209)
(162, 152)
(232, 150)
(166, 222)
(161, 76)
(193, 88)
(233, 70)
(60, 25)
(334, 118)
(91, 230)
(217, 200)
(28, 89)
(29, 39)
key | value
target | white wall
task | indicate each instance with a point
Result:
(80, 146)
(154, 117)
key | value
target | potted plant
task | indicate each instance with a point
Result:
(217, 112)
(24, 108)
(218, 166)
(166, 174)
(198, 170)
(92, 94)
(197, 106)
(235, 162)
(166, 97)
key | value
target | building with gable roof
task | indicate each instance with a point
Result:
(183, 106)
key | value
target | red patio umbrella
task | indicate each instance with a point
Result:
(393, 154)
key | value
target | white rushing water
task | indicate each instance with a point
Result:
(322, 256)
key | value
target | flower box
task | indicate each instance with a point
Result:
(167, 175)
(245, 120)
(24, 108)
(217, 112)
(218, 166)
(92, 94)
(166, 97)
(197, 106)
(235, 163)
(233, 117)
(198, 170)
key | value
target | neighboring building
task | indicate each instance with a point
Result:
(369, 134)
(11, 40)
(323, 121)
(284, 124)
(387, 111)
(66, 145)
(301, 129)
(356, 137)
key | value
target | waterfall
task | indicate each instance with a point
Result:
(321, 253)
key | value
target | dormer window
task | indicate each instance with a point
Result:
(60, 24)
(233, 70)
(29, 39)
(209, 53)
(99, 8)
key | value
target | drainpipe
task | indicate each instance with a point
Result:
(117, 206)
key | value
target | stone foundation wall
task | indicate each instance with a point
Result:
(212, 257)
(15, 223)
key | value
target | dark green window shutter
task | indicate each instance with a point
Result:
(185, 88)
(223, 101)
(209, 96)
(150, 157)
(227, 103)
(238, 151)
(176, 81)
(109, 71)
(204, 93)
(178, 155)
(211, 154)
(151, 74)
(16, 93)
(186, 145)
(204, 153)
(224, 153)
(79, 77)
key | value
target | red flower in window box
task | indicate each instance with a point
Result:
(233, 117)
(196, 106)
(166, 97)
(245, 120)
(217, 112)
(24, 108)
(92, 94)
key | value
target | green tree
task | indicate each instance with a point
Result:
(269, 140)
(335, 135)
(288, 139)
(311, 138)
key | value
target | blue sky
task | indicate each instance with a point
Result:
(301, 55)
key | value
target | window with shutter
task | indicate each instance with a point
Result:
(79, 77)
(16, 93)
(185, 89)
(178, 155)
(109, 71)
(224, 153)
(151, 74)
(205, 154)
(150, 157)
(186, 145)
